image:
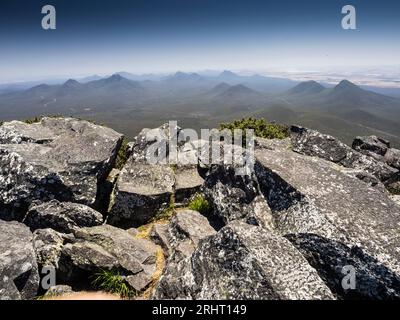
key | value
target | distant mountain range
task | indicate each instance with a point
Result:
(128, 102)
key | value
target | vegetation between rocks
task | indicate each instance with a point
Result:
(199, 203)
(122, 155)
(111, 281)
(261, 127)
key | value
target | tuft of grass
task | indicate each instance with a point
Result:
(111, 281)
(261, 127)
(122, 154)
(200, 204)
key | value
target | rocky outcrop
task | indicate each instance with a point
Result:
(392, 158)
(61, 216)
(19, 277)
(371, 146)
(109, 248)
(313, 143)
(146, 186)
(312, 196)
(57, 158)
(311, 214)
(48, 244)
(243, 262)
(236, 197)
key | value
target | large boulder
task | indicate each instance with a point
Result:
(313, 143)
(19, 277)
(243, 262)
(308, 195)
(335, 260)
(107, 248)
(61, 216)
(371, 146)
(236, 197)
(57, 158)
(141, 192)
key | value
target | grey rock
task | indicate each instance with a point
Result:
(236, 197)
(59, 290)
(243, 262)
(187, 182)
(107, 247)
(186, 229)
(312, 196)
(392, 158)
(313, 143)
(61, 216)
(335, 260)
(48, 245)
(159, 235)
(141, 192)
(19, 277)
(371, 145)
(57, 158)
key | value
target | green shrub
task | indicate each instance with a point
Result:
(111, 281)
(261, 127)
(200, 204)
(122, 154)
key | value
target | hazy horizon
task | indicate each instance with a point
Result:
(164, 37)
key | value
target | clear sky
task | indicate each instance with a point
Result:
(140, 36)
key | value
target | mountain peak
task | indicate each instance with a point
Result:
(115, 78)
(307, 87)
(346, 84)
(227, 73)
(71, 83)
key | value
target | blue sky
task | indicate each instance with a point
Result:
(168, 35)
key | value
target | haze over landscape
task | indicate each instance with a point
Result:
(137, 64)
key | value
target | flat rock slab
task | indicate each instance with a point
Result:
(56, 158)
(19, 277)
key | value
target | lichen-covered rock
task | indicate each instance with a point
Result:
(392, 158)
(57, 158)
(187, 228)
(371, 146)
(107, 247)
(243, 262)
(236, 197)
(48, 244)
(313, 143)
(334, 261)
(61, 216)
(152, 176)
(312, 196)
(159, 235)
(142, 191)
(19, 277)
(59, 290)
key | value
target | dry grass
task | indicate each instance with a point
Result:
(160, 265)
(84, 295)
